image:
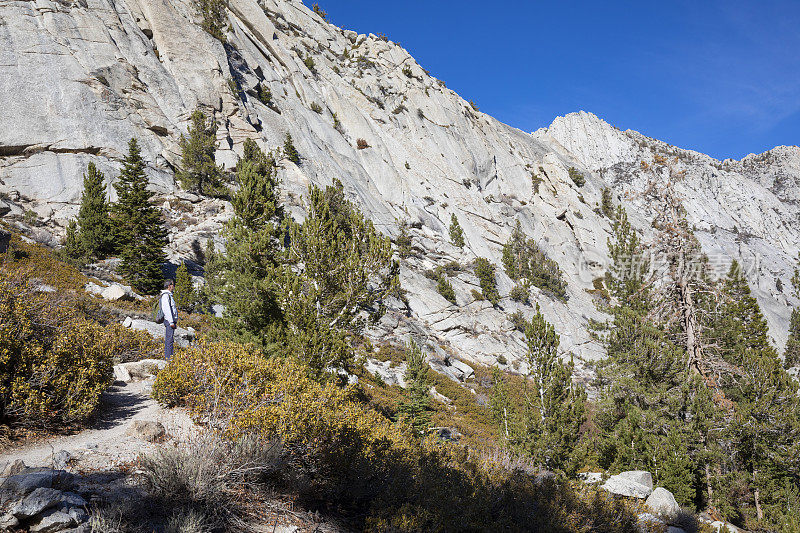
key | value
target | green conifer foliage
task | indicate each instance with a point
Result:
(576, 176)
(245, 279)
(184, 292)
(289, 151)
(557, 408)
(199, 172)
(138, 226)
(648, 415)
(629, 265)
(525, 261)
(764, 429)
(415, 408)
(607, 203)
(505, 410)
(456, 232)
(73, 247)
(791, 355)
(484, 271)
(345, 268)
(214, 17)
(739, 329)
(93, 218)
(445, 288)
(403, 242)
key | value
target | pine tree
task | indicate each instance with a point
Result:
(557, 407)
(791, 355)
(629, 265)
(651, 414)
(484, 271)
(184, 292)
(96, 237)
(289, 151)
(245, 279)
(507, 405)
(73, 247)
(199, 172)
(525, 261)
(403, 242)
(214, 17)
(138, 227)
(347, 270)
(607, 203)
(765, 426)
(738, 327)
(456, 233)
(415, 408)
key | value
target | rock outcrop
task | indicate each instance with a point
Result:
(39, 500)
(634, 483)
(78, 79)
(663, 503)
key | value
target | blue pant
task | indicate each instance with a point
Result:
(169, 336)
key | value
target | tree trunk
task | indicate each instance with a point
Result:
(689, 323)
(756, 497)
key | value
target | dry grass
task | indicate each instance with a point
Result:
(205, 479)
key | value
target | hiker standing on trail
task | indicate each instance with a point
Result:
(167, 303)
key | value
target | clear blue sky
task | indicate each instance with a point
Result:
(718, 77)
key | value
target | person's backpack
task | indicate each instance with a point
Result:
(158, 313)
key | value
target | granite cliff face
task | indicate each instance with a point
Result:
(79, 78)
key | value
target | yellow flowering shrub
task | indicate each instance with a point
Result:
(54, 364)
(365, 466)
(41, 263)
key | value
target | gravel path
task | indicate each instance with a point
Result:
(106, 443)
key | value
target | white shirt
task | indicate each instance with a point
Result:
(168, 308)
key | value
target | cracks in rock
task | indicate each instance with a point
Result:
(27, 150)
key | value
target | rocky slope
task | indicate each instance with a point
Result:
(78, 78)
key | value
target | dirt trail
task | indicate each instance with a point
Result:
(106, 443)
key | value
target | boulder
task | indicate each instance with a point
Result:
(463, 370)
(13, 468)
(391, 375)
(642, 477)
(591, 477)
(20, 485)
(37, 501)
(61, 459)
(138, 370)
(648, 521)
(113, 293)
(183, 337)
(719, 525)
(634, 484)
(662, 502)
(121, 374)
(146, 430)
(8, 522)
(54, 520)
(94, 288)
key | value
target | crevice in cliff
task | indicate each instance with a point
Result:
(26, 150)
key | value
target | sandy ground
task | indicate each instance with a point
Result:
(106, 445)
(101, 454)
